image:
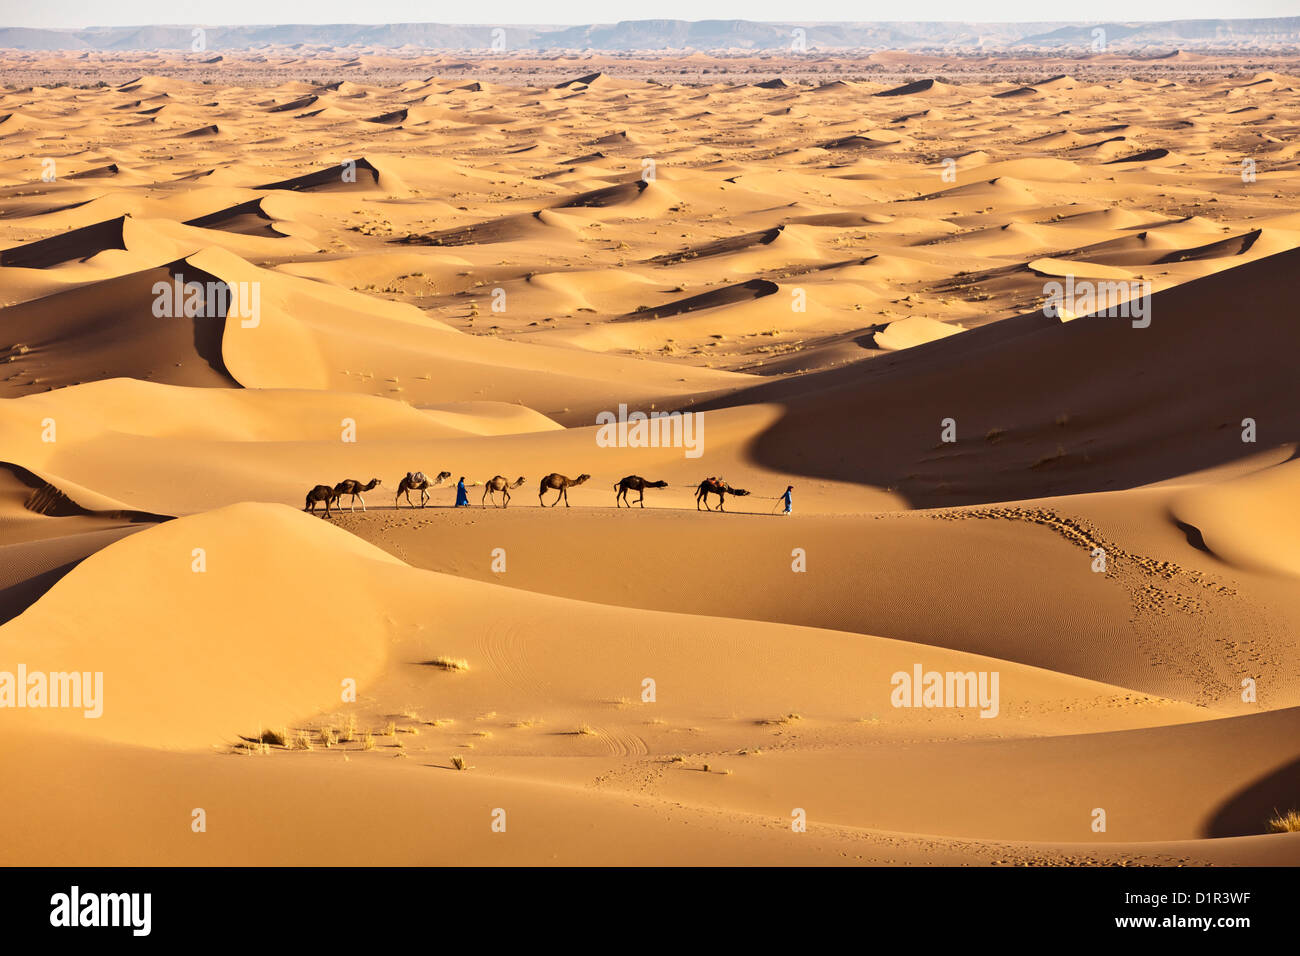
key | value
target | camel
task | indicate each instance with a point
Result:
(634, 483)
(715, 486)
(350, 486)
(323, 493)
(499, 483)
(416, 481)
(557, 482)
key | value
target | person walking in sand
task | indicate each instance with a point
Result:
(462, 496)
(788, 499)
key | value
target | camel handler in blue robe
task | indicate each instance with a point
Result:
(788, 499)
(462, 496)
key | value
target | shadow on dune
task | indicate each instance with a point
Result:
(1193, 535)
(1248, 812)
(720, 247)
(1042, 407)
(109, 329)
(21, 595)
(28, 568)
(246, 219)
(331, 179)
(51, 501)
(75, 245)
(727, 295)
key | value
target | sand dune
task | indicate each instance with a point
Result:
(1058, 448)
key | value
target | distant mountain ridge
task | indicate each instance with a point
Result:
(702, 35)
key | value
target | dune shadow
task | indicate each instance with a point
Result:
(1193, 535)
(1248, 811)
(1089, 396)
(18, 597)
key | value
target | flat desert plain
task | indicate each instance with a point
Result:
(878, 293)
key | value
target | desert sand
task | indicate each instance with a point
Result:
(461, 272)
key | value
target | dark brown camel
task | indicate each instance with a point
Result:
(350, 486)
(320, 493)
(416, 481)
(499, 483)
(715, 486)
(634, 483)
(557, 482)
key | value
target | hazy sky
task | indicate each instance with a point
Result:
(81, 13)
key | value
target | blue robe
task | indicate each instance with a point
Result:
(788, 498)
(462, 498)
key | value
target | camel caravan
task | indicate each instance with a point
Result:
(332, 493)
(417, 481)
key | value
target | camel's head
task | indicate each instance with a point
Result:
(442, 476)
(656, 484)
(580, 479)
(738, 492)
(520, 480)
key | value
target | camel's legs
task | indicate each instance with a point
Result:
(363, 503)
(506, 499)
(565, 491)
(641, 500)
(424, 497)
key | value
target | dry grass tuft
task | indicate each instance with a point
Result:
(1288, 822)
(349, 731)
